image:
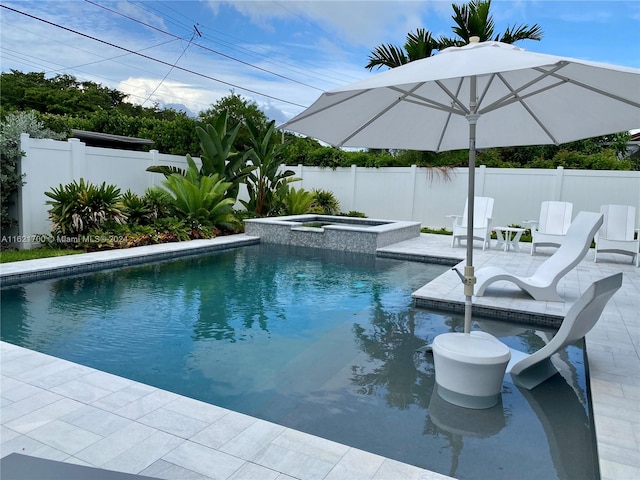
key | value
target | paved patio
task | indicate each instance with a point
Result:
(54, 409)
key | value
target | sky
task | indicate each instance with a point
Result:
(279, 54)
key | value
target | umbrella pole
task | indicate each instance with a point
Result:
(469, 274)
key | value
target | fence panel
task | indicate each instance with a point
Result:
(411, 193)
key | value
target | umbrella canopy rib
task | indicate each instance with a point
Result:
(307, 113)
(410, 97)
(377, 116)
(522, 102)
(599, 91)
(454, 96)
(513, 96)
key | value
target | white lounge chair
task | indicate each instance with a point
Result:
(482, 213)
(530, 370)
(551, 228)
(617, 232)
(542, 285)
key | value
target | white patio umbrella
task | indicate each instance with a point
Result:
(515, 97)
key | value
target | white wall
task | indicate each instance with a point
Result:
(399, 193)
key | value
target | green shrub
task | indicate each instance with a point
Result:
(353, 213)
(79, 207)
(201, 199)
(297, 202)
(326, 202)
(10, 129)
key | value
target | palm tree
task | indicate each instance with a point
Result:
(472, 19)
(419, 44)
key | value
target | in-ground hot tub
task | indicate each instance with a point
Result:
(349, 234)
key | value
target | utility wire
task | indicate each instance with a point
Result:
(285, 63)
(154, 59)
(195, 32)
(206, 48)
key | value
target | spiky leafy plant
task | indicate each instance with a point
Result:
(218, 155)
(201, 199)
(268, 182)
(297, 202)
(78, 207)
(325, 201)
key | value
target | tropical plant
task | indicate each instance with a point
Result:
(10, 129)
(419, 44)
(218, 155)
(474, 19)
(239, 111)
(354, 213)
(325, 201)
(79, 207)
(296, 202)
(201, 199)
(471, 19)
(135, 208)
(268, 182)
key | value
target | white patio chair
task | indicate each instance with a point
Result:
(530, 370)
(542, 285)
(482, 213)
(552, 226)
(617, 232)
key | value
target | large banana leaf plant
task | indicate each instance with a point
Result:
(268, 182)
(201, 199)
(218, 155)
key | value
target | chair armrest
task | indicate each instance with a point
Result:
(533, 224)
(455, 219)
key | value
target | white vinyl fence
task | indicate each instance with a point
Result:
(398, 193)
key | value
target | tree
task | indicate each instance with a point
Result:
(10, 129)
(218, 155)
(268, 183)
(419, 44)
(239, 111)
(472, 19)
(62, 94)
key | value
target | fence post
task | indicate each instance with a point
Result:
(480, 178)
(557, 188)
(78, 158)
(153, 161)
(354, 174)
(300, 174)
(24, 198)
(414, 173)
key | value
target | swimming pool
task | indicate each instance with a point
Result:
(319, 341)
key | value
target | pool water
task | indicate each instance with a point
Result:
(320, 341)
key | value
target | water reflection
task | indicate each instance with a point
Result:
(406, 379)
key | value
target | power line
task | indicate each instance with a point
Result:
(154, 59)
(283, 63)
(206, 48)
(196, 32)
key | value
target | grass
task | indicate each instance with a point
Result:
(20, 255)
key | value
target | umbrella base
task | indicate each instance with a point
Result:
(470, 368)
